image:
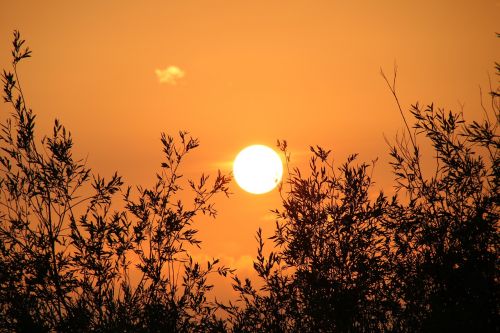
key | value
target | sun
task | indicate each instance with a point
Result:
(257, 169)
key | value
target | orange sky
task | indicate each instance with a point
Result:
(254, 71)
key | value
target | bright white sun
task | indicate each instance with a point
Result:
(257, 169)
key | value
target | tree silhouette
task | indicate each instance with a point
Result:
(425, 260)
(445, 235)
(65, 255)
(330, 266)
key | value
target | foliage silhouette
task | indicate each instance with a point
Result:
(424, 260)
(446, 237)
(330, 266)
(345, 259)
(65, 255)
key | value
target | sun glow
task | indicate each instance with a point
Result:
(257, 169)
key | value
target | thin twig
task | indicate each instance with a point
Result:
(392, 88)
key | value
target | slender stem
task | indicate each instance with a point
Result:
(392, 88)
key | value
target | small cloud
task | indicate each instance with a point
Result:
(169, 75)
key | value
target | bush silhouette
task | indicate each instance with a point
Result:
(331, 255)
(446, 237)
(65, 254)
(344, 259)
(425, 260)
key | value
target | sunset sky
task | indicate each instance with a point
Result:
(236, 73)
